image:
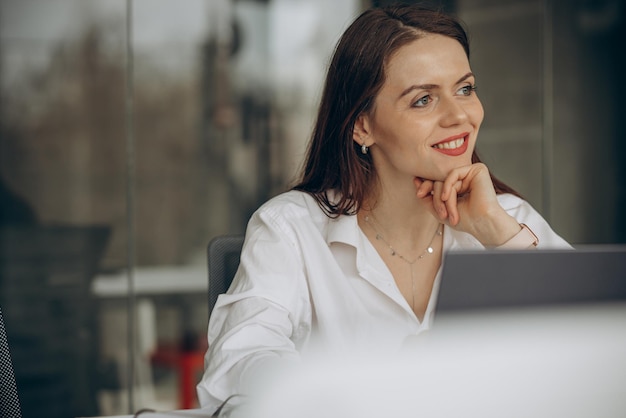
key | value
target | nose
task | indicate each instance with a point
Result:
(453, 112)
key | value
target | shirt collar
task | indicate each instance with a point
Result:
(343, 229)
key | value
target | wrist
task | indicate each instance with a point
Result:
(496, 230)
(524, 239)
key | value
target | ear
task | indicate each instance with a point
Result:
(361, 132)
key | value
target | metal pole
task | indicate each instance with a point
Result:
(547, 144)
(130, 206)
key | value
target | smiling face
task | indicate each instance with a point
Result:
(426, 117)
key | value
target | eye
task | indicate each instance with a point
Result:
(422, 101)
(467, 90)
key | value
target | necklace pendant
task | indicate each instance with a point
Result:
(392, 251)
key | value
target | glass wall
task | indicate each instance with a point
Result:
(62, 166)
(134, 131)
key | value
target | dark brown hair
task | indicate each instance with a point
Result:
(355, 76)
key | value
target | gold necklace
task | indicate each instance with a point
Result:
(429, 250)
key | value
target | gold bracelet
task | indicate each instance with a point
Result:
(525, 238)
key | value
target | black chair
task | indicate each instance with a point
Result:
(223, 260)
(9, 399)
(46, 273)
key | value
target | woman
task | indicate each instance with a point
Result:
(351, 257)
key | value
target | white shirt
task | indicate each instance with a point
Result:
(307, 279)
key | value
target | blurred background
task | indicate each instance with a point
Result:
(134, 131)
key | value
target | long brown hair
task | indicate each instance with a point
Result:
(356, 74)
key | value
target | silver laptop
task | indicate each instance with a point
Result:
(496, 279)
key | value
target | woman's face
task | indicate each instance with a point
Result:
(426, 116)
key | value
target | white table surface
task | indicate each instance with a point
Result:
(542, 363)
(153, 281)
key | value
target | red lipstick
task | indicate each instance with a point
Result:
(453, 146)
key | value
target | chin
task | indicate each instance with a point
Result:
(460, 163)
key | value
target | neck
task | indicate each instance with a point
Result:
(404, 220)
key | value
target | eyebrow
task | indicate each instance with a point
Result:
(431, 86)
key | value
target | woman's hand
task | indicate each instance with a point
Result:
(466, 200)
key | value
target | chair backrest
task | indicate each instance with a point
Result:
(46, 274)
(9, 399)
(223, 260)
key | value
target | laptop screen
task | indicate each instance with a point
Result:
(496, 279)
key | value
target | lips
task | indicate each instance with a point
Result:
(453, 146)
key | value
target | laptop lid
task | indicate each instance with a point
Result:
(497, 279)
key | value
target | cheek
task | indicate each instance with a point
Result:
(478, 113)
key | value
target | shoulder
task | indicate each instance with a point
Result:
(289, 210)
(287, 224)
(516, 206)
(291, 203)
(511, 202)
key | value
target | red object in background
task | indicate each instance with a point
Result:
(189, 366)
(188, 361)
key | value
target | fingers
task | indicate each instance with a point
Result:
(456, 188)
(424, 187)
(426, 190)
(452, 203)
(438, 203)
(458, 180)
(434, 189)
(451, 197)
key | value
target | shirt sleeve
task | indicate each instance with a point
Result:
(264, 318)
